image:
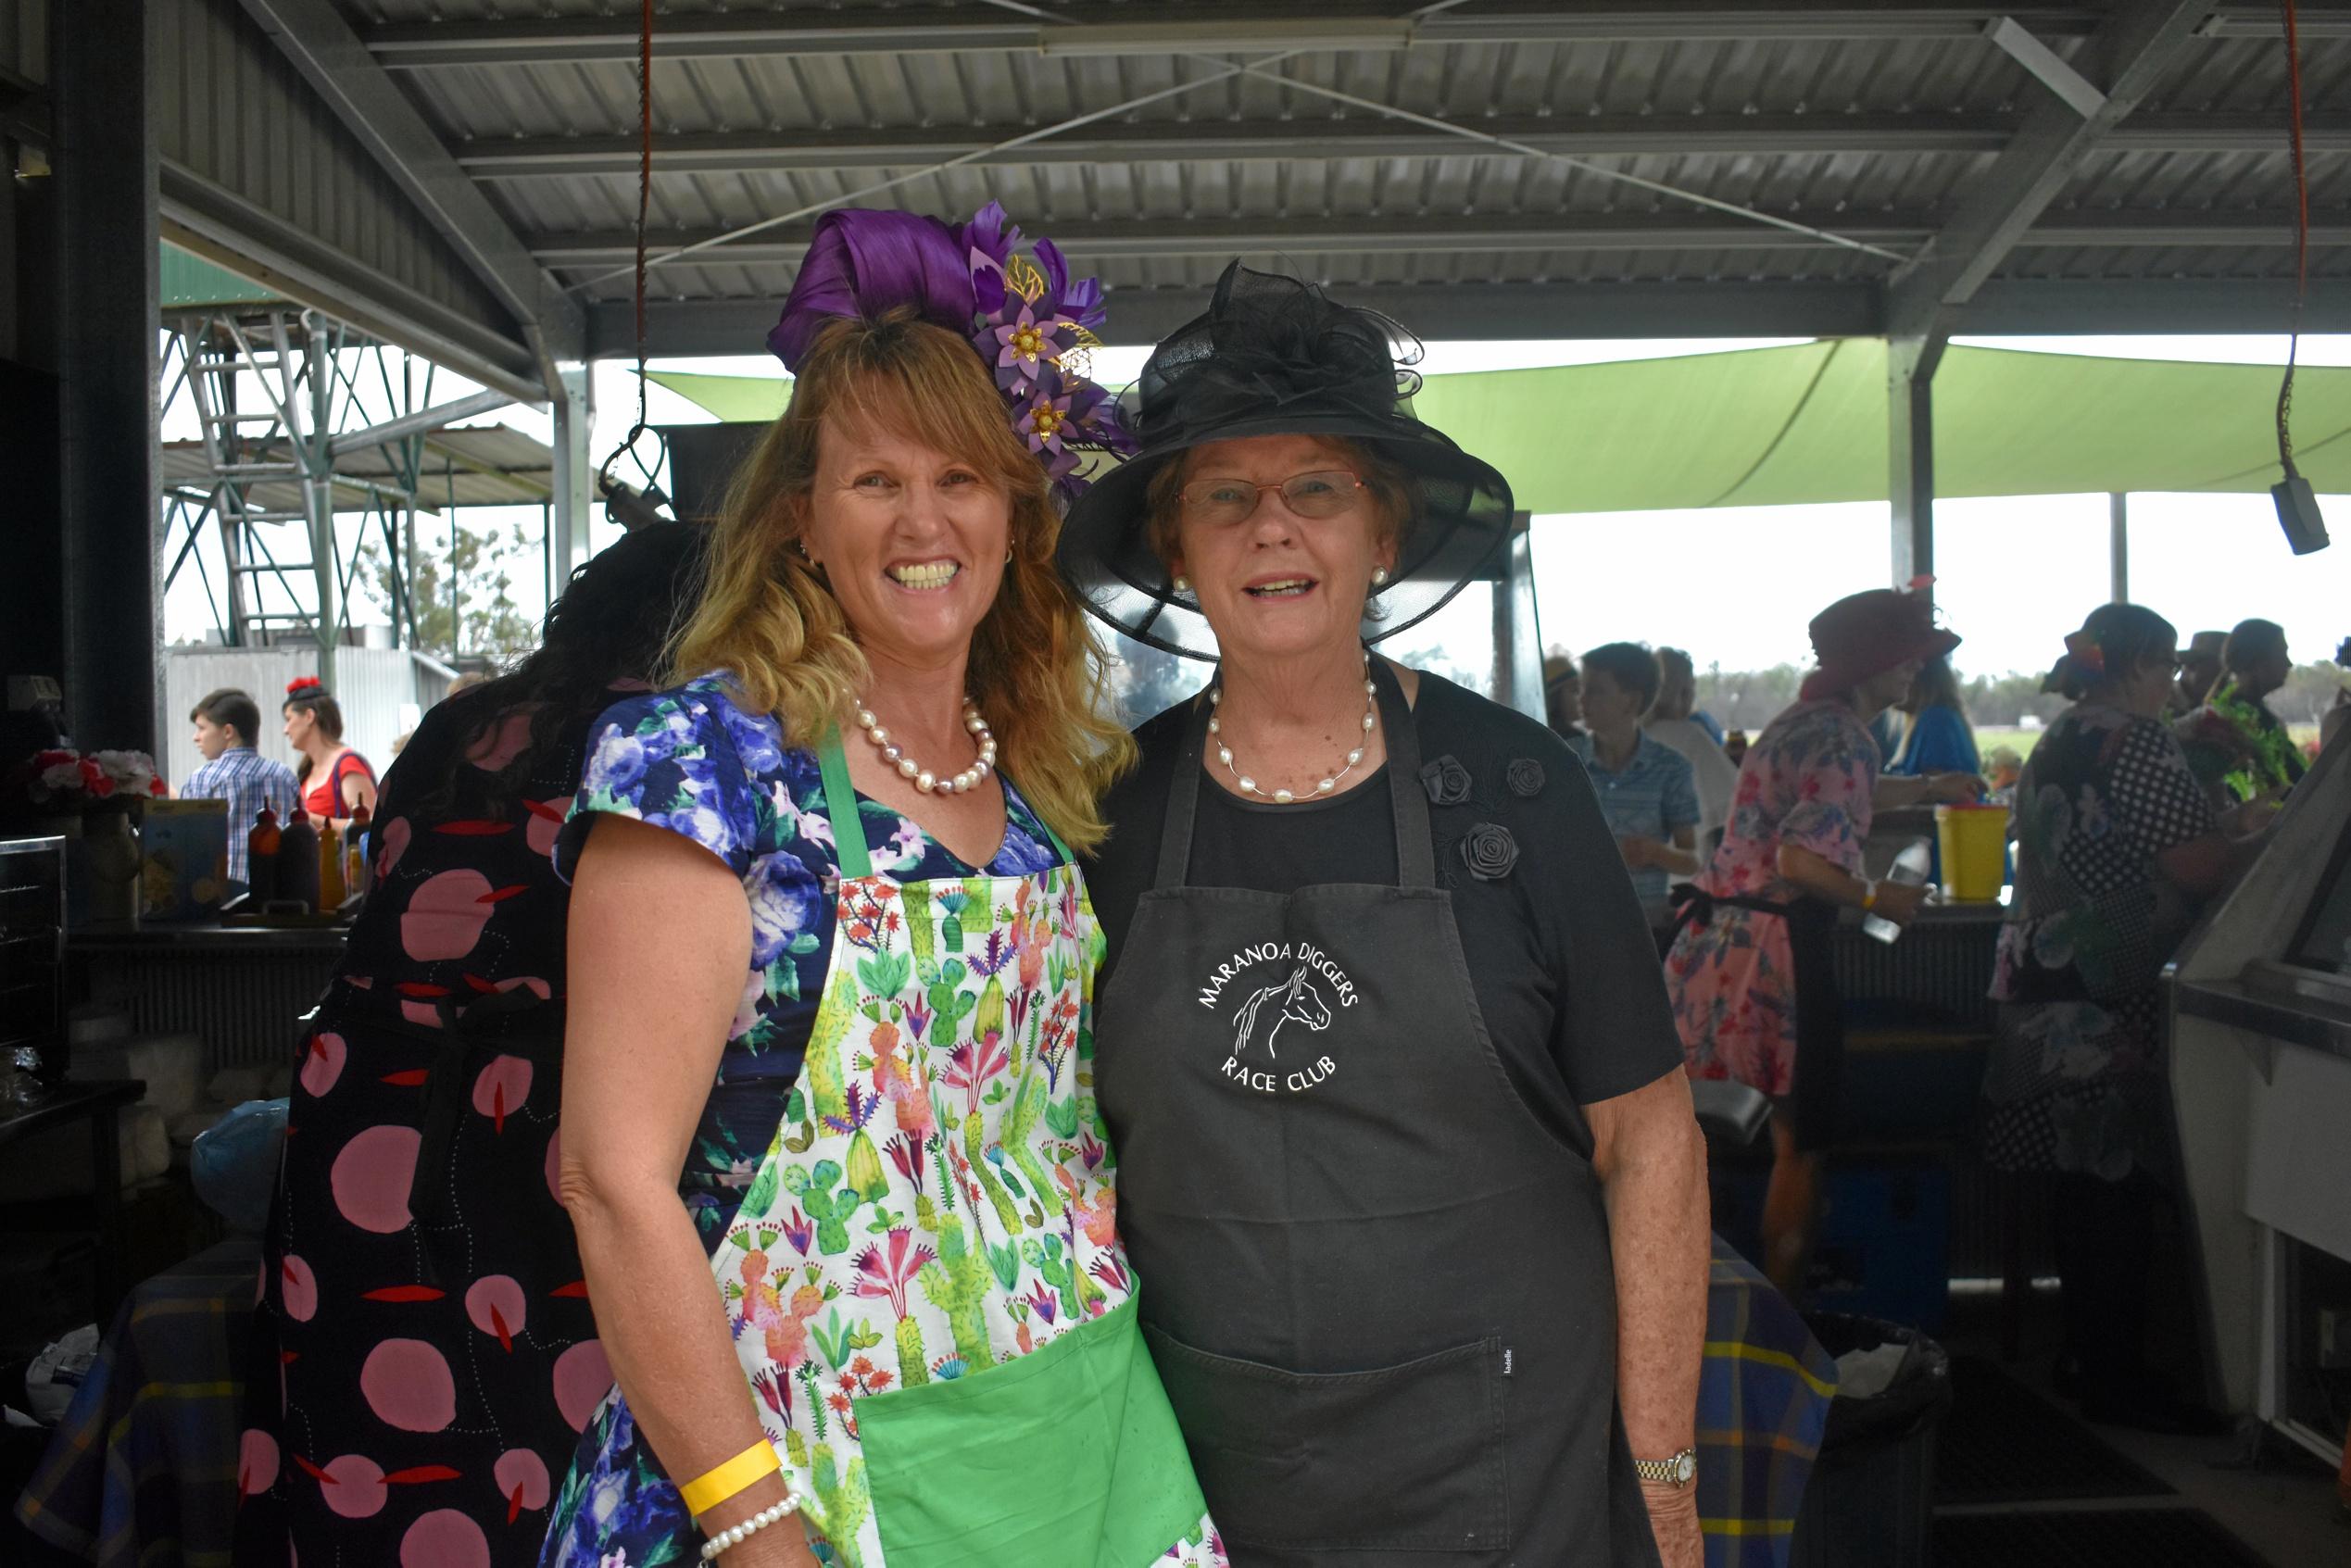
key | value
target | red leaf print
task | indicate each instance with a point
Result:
(514, 1505)
(421, 1473)
(480, 985)
(420, 989)
(403, 1293)
(577, 1288)
(506, 1335)
(543, 810)
(501, 895)
(408, 1078)
(314, 1472)
(473, 828)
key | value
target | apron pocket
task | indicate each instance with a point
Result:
(1400, 1458)
(1067, 1457)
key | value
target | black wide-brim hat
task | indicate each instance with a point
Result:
(1273, 356)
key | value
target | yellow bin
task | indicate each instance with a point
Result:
(1974, 840)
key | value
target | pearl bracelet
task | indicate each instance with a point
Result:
(735, 1537)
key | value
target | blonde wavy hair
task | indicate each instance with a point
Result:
(767, 616)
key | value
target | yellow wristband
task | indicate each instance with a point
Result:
(713, 1487)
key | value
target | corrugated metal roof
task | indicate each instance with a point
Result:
(472, 466)
(1870, 120)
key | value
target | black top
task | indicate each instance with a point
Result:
(1564, 966)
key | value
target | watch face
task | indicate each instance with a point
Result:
(1685, 1467)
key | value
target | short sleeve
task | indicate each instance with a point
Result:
(1833, 810)
(1679, 805)
(1612, 1030)
(2155, 793)
(668, 760)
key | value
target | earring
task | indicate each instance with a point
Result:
(1183, 584)
(1379, 577)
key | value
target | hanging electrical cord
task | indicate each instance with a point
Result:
(2305, 529)
(633, 506)
(2301, 240)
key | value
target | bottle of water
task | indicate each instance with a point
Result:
(1909, 871)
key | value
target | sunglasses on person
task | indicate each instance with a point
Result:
(1323, 493)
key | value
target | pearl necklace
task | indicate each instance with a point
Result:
(921, 778)
(1322, 786)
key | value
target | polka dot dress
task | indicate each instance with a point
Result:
(426, 1357)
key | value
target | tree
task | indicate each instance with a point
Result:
(464, 602)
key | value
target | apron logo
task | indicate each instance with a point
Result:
(1265, 1019)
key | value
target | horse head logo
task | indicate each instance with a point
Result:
(1294, 1000)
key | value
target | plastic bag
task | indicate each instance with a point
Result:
(234, 1163)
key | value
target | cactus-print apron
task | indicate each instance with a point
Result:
(925, 1280)
(1381, 1291)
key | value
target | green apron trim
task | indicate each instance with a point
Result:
(840, 805)
(840, 802)
(1068, 1457)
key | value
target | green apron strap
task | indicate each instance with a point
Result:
(1055, 839)
(840, 805)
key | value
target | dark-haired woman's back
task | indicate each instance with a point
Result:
(422, 1296)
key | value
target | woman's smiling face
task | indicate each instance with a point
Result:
(912, 540)
(1275, 584)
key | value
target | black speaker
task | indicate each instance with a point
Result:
(2306, 531)
(702, 463)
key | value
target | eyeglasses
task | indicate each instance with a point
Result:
(1325, 493)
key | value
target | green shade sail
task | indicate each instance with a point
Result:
(1806, 424)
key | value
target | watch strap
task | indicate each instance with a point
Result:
(1675, 1470)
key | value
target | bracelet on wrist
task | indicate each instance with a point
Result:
(721, 1482)
(1869, 893)
(727, 1539)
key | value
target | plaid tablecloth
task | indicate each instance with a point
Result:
(143, 1471)
(1762, 1401)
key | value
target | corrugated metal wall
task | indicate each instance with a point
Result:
(380, 690)
(230, 109)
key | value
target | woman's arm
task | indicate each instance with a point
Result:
(660, 940)
(1679, 859)
(357, 790)
(1823, 878)
(1894, 791)
(1652, 1164)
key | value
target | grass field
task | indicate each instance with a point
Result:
(1989, 736)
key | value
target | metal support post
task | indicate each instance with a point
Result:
(108, 321)
(1910, 455)
(318, 496)
(2118, 545)
(1518, 638)
(574, 478)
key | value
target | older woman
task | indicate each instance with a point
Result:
(1403, 1151)
(1749, 975)
(2116, 843)
(844, 987)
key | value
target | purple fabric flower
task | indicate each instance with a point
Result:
(862, 262)
(1028, 348)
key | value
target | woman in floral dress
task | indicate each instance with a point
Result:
(831, 1147)
(2116, 843)
(1748, 974)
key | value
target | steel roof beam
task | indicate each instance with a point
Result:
(2127, 56)
(1408, 233)
(1703, 308)
(313, 35)
(1212, 27)
(1295, 141)
(1219, 27)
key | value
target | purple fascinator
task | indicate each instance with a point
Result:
(862, 262)
(1030, 323)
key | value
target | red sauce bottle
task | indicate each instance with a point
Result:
(261, 858)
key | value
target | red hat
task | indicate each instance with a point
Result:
(1867, 633)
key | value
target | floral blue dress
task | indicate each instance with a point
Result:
(694, 762)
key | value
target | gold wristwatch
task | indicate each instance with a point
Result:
(1678, 1470)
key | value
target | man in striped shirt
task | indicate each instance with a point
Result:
(226, 722)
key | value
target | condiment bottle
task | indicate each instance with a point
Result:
(356, 847)
(331, 888)
(261, 858)
(298, 861)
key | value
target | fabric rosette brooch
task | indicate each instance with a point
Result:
(1031, 323)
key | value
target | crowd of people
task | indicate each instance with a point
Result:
(903, 1016)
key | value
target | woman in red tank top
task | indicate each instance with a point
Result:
(336, 779)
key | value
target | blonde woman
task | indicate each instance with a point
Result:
(830, 962)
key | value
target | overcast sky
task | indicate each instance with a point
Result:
(1736, 585)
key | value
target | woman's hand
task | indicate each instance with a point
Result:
(2248, 818)
(1954, 789)
(1673, 1518)
(1899, 902)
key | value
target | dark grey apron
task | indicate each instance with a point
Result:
(1377, 1289)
